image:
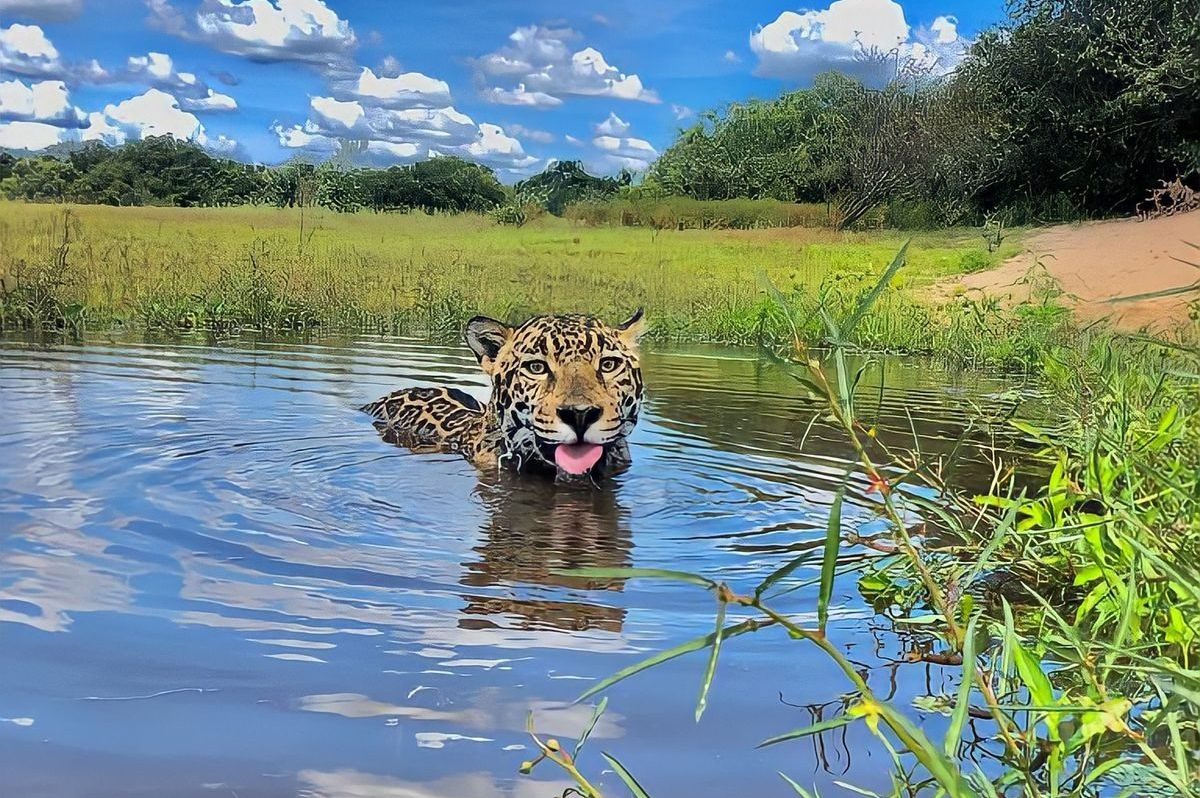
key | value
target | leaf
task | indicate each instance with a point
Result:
(1002, 530)
(833, 541)
(1147, 339)
(831, 326)
(808, 731)
(845, 785)
(1191, 696)
(710, 670)
(782, 303)
(638, 573)
(1166, 292)
(782, 572)
(1180, 580)
(1032, 676)
(1108, 716)
(696, 644)
(587, 732)
(625, 776)
(873, 295)
(1178, 747)
(941, 767)
(1099, 771)
(803, 793)
(921, 620)
(958, 718)
(808, 384)
(1125, 624)
(1031, 431)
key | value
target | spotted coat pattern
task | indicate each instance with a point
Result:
(548, 376)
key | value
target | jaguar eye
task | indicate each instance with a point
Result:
(609, 364)
(536, 366)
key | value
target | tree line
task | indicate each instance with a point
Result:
(1071, 108)
(165, 171)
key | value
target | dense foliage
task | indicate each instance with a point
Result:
(1074, 107)
(564, 183)
(165, 171)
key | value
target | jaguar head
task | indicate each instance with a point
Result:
(566, 390)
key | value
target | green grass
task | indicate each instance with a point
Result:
(685, 213)
(228, 269)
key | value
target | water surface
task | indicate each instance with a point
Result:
(216, 580)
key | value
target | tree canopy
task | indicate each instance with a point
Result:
(165, 171)
(1076, 104)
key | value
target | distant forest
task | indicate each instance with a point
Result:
(1070, 109)
(165, 171)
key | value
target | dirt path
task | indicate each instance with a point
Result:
(1097, 261)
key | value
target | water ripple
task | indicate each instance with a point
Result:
(217, 531)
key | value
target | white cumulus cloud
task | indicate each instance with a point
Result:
(492, 147)
(157, 70)
(211, 101)
(945, 30)
(613, 149)
(520, 96)
(613, 126)
(344, 116)
(626, 147)
(863, 38)
(405, 90)
(30, 135)
(394, 135)
(223, 145)
(304, 137)
(47, 102)
(538, 67)
(154, 113)
(101, 128)
(390, 152)
(305, 31)
(25, 50)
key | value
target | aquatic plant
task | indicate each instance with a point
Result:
(1085, 670)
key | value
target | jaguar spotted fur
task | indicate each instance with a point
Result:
(566, 394)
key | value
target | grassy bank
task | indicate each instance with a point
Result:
(228, 269)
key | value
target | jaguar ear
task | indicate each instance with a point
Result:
(487, 337)
(633, 329)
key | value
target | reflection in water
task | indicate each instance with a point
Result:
(215, 579)
(533, 529)
(353, 784)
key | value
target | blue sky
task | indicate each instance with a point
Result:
(508, 84)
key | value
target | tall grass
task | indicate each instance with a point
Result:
(228, 270)
(685, 213)
(1090, 685)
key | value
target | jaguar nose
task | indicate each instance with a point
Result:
(579, 419)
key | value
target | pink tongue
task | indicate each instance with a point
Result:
(577, 458)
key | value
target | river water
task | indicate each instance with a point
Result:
(215, 579)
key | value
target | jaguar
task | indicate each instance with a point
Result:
(566, 391)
